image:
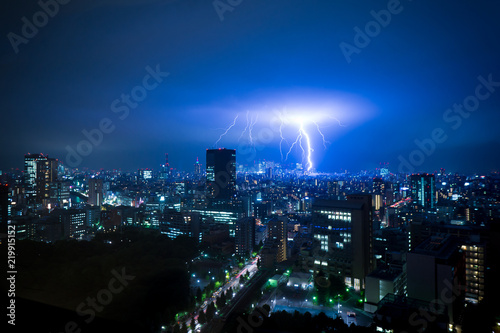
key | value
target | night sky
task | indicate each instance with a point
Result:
(264, 57)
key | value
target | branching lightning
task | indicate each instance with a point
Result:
(227, 130)
(302, 138)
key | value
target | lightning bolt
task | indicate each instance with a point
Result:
(227, 130)
(309, 148)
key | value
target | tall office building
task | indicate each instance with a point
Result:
(46, 174)
(245, 236)
(95, 192)
(423, 190)
(221, 174)
(30, 176)
(344, 230)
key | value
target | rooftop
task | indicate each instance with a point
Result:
(345, 204)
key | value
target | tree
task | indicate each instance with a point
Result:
(198, 295)
(202, 318)
(192, 324)
(223, 299)
(210, 311)
(218, 303)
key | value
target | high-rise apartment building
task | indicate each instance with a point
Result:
(277, 229)
(474, 271)
(245, 236)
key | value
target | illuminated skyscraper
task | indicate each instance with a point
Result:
(46, 174)
(30, 176)
(423, 190)
(221, 174)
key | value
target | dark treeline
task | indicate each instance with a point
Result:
(66, 273)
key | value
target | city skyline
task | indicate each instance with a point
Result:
(190, 69)
(184, 166)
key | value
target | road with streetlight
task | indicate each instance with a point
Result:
(234, 283)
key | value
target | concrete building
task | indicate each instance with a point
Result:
(435, 271)
(381, 282)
